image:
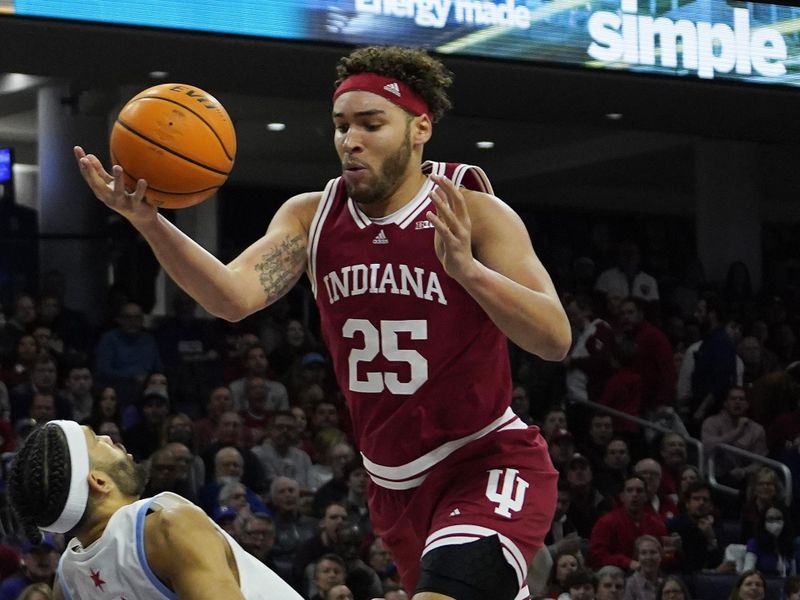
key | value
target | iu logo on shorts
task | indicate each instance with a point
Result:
(511, 495)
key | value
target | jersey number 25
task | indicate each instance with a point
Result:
(384, 341)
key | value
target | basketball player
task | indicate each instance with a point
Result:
(419, 273)
(65, 479)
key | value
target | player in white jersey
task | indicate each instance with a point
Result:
(65, 479)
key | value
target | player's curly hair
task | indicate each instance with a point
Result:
(39, 480)
(425, 75)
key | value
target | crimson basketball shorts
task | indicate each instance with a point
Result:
(503, 485)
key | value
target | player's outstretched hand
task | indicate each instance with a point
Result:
(109, 188)
(453, 237)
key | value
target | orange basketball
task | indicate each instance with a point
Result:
(178, 138)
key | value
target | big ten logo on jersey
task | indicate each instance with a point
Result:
(506, 489)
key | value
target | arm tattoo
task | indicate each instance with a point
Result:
(282, 266)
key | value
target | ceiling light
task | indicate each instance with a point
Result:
(484, 145)
(276, 126)
(613, 116)
(158, 74)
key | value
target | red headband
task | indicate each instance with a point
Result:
(393, 90)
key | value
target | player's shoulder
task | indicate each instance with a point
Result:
(172, 523)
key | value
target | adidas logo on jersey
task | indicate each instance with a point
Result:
(392, 88)
(380, 238)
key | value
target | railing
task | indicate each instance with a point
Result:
(701, 463)
(778, 466)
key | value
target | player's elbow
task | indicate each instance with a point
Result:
(558, 343)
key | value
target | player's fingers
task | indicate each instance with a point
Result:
(455, 199)
(443, 208)
(441, 228)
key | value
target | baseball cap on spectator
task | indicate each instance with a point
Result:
(223, 513)
(313, 358)
(561, 435)
(9, 561)
(46, 544)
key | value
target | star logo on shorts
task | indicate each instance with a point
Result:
(97, 580)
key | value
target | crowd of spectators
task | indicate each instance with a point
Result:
(245, 420)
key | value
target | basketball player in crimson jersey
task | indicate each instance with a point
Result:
(420, 274)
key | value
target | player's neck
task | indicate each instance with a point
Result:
(410, 184)
(98, 518)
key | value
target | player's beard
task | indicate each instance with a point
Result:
(391, 170)
(129, 476)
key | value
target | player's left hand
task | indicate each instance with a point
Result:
(453, 236)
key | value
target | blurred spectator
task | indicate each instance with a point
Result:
(784, 432)
(357, 481)
(650, 472)
(322, 543)
(564, 563)
(554, 420)
(189, 350)
(581, 585)
(144, 438)
(610, 583)
(43, 380)
(297, 342)
(178, 427)
(322, 443)
(339, 592)
(644, 582)
(78, 387)
(695, 526)
(715, 361)
(563, 536)
(259, 408)
(219, 401)
(106, 408)
(38, 566)
(162, 474)
(521, 404)
(672, 588)
(610, 478)
(756, 361)
(292, 529)
(561, 446)
(190, 471)
(653, 362)
(380, 559)
(750, 586)
(593, 447)
(673, 460)
(228, 467)
(772, 550)
(230, 432)
(791, 589)
(19, 323)
(335, 488)
(627, 278)
(623, 390)
(112, 430)
(360, 578)
(395, 592)
(329, 571)
(689, 474)
(258, 536)
(278, 455)
(764, 489)
(36, 591)
(126, 354)
(587, 503)
(17, 366)
(589, 361)
(732, 426)
(256, 364)
(614, 534)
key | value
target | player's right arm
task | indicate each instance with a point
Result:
(260, 275)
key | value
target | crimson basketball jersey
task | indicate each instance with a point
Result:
(424, 369)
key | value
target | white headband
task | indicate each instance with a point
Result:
(79, 473)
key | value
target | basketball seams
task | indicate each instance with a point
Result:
(170, 150)
(196, 114)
